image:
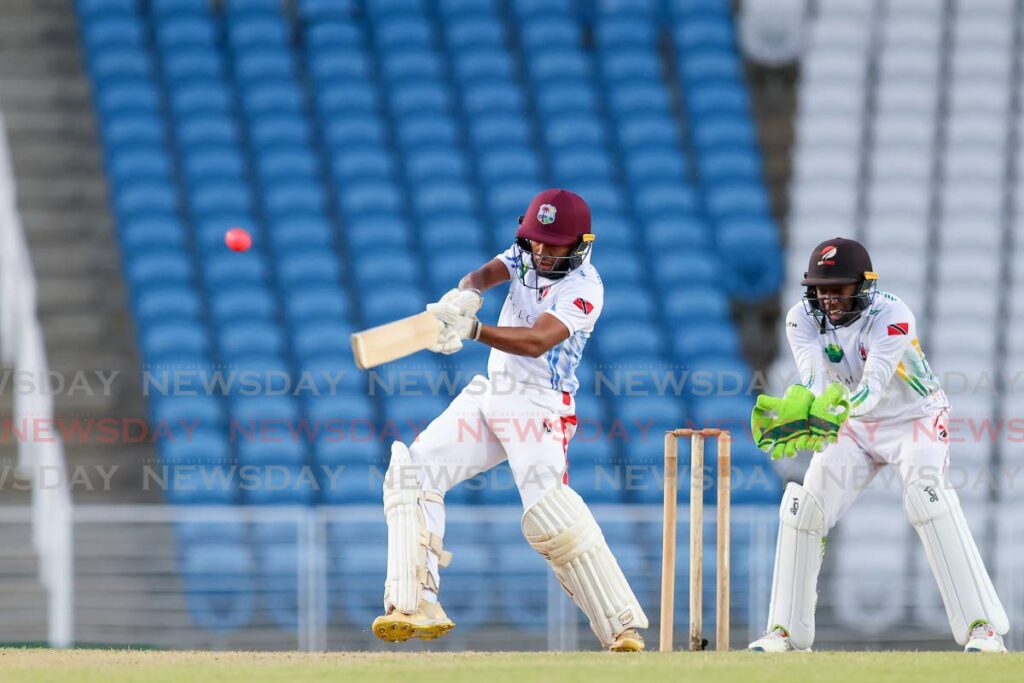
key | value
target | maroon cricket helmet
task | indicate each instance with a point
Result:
(557, 217)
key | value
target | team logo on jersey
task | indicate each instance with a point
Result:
(898, 328)
(863, 353)
(546, 214)
(834, 352)
(583, 305)
(827, 256)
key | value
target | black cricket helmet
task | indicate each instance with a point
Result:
(839, 261)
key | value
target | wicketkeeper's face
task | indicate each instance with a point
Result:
(836, 300)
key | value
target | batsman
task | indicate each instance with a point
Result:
(522, 411)
(868, 399)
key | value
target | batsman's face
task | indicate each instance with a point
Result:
(836, 300)
(545, 256)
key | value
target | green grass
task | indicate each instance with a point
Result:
(112, 666)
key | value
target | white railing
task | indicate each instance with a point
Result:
(21, 346)
(240, 577)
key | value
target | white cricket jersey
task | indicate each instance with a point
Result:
(878, 357)
(576, 300)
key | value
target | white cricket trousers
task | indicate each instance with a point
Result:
(490, 421)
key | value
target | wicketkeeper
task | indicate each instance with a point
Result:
(863, 370)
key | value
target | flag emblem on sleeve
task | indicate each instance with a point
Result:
(583, 305)
(899, 328)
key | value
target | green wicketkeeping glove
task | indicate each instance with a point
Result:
(827, 414)
(779, 425)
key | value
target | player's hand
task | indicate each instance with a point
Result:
(468, 301)
(779, 425)
(828, 413)
(448, 341)
(465, 326)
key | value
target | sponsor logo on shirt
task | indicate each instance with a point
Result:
(834, 352)
(863, 352)
(583, 305)
(827, 256)
(898, 329)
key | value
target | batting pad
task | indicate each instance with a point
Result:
(964, 583)
(408, 538)
(561, 528)
(797, 564)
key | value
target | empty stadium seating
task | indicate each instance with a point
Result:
(376, 151)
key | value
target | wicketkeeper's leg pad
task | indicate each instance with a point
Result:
(562, 529)
(408, 537)
(964, 583)
(798, 555)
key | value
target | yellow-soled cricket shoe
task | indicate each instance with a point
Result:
(427, 623)
(628, 641)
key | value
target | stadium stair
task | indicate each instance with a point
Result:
(61, 195)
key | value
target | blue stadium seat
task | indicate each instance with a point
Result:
(614, 34)
(299, 268)
(167, 303)
(316, 302)
(358, 483)
(171, 337)
(710, 337)
(369, 162)
(484, 64)
(250, 338)
(399, 268)
(249, 413)
(539, 33)
(218, 163)
(479, 30)
(184, 411)
(669, 231)
(146, 161)
(695, 302)
(176, 33)
(218, 581)
(710, 65)
(294, 164)
(336, 99)
(340, 409)
(341, 451)
(152, 233)
(278, 448)
(231, 270)
(320, 338)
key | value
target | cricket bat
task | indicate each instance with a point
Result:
(391, 341)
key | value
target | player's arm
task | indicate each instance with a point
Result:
(491, 274)
(890, 339)
(534, 341)
(802, 335)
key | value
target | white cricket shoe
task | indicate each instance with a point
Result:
(983, 639)
(776, 640)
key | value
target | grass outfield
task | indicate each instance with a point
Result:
(116, 666)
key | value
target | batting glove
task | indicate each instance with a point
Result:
(448, 342)
(464, 326)
(468, 301)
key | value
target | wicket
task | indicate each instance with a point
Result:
(668, 548)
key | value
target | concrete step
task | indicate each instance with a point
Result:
(21, 94)
(22, 123)
(73, 259)
(52, 158)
